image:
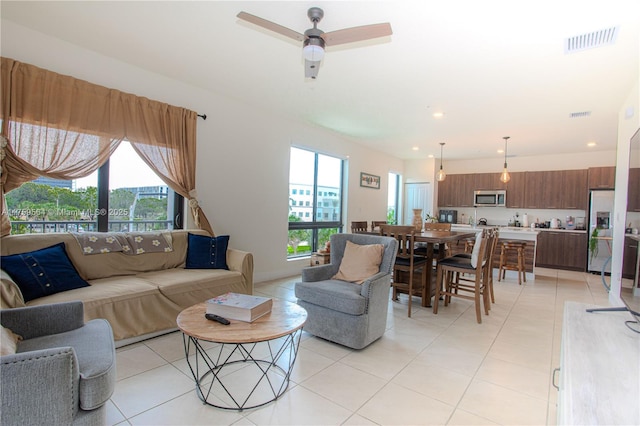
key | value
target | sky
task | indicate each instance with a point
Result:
(122, 163)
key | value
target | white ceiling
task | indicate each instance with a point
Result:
(495, 68)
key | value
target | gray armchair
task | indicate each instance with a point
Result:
(63, 371)
(347, 313)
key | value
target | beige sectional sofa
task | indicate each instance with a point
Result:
(140, 295)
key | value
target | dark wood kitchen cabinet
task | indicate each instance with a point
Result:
(483, 181)
(464, 191)
(575, 251)
(516, 190)
(629, 258)
(633, 193)
(488, 182)
(549, 249)
(574, 190)
(553, 189)
(556, 189)
(602, 177)
(562, 250)
(534, 190)
(445, 192)
(456, 191)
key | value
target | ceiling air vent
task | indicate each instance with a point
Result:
(580, 114)
(591, 40)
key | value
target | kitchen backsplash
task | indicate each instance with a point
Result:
(502, 216)
(633, 218)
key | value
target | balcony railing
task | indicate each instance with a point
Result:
(50, 226)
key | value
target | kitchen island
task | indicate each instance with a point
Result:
(529, 236)
(545, 247)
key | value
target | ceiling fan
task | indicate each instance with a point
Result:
(314, 40)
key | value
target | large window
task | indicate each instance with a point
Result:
(393, 198)
(123, 195)
(315, 200)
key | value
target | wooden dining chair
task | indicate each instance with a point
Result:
(448, 283)
(407, 264)
(494, 235)
(358, 227)
(376, 224)
(421, 250)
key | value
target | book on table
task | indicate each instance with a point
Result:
(241, 307)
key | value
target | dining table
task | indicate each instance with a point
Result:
(431, 238)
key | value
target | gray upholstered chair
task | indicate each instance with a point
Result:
(63, 371)
(347, 313)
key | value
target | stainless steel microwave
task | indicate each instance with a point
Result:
(494, 198)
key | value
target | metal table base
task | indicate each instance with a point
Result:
(268, 364)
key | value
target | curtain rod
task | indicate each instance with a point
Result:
(203, 116)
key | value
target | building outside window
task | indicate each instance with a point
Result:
(313, 218)
(136, 199)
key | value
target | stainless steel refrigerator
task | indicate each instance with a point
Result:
(600, 219)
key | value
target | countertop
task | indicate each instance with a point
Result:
(520, 228)
(517, 233)
(511, 232)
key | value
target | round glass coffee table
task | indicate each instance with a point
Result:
(243, 364)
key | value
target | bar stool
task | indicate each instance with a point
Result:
(512, 258)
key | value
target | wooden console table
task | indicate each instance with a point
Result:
(599, 368)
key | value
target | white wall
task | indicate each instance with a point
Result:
(242, 170)
(628, 124)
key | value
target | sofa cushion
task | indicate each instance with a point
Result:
(8, 341)
(110, 264)
(134, 243)
(207, 252)
(43, 272)
(97, 242)
(96, 362)
(359, 262)
(341, 296)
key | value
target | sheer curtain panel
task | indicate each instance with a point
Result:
(64, 128)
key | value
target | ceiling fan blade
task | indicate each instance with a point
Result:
(350, 35)
(311, 68)
(271, 26)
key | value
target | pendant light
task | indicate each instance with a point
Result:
(441, 174)
(504, 176)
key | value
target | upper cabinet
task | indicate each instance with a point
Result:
(534, 190)
(556, 189)
(515, 189)
(575, 193)
(602, 177)
(456, 191)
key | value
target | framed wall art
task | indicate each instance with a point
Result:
(369, 181)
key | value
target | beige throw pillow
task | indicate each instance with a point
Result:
(8, 341)
(359, 262)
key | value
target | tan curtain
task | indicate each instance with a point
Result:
(64, 128)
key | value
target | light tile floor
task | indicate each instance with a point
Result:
(428, 369)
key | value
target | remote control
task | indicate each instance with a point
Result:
(217, 318)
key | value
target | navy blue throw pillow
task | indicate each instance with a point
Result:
(43, 272)
(207, 252)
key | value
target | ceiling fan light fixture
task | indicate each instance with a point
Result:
(313, 49)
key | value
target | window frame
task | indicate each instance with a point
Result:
(315, 225)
